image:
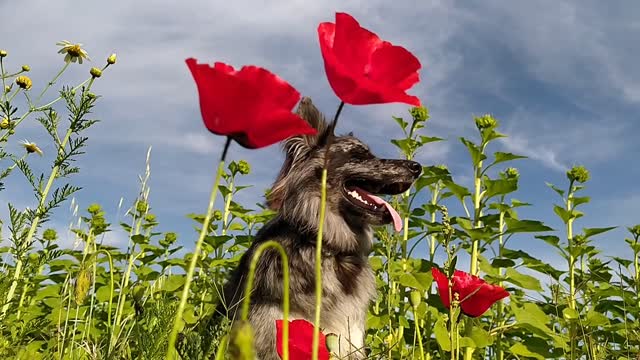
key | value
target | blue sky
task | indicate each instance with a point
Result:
(560, 76)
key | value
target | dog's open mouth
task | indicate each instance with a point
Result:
(360, 192)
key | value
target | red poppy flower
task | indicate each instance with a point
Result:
(476, 296)
(301, 341)
(363, 69)
(252, 106)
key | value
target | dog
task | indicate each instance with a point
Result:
(348, 283)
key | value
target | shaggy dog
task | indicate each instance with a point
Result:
(348, 284)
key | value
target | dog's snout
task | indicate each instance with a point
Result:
(414, 167)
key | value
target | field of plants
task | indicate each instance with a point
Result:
(136, 302)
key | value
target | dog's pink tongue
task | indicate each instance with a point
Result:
(397, 221)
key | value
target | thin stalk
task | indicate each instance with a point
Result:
(321, 216)
(4, 84)
(55, 78)
(196, 253)
(285, 290)
(572, 281)
(500, 309)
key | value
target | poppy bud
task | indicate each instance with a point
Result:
(7, 88)
(26, 68)
(3, 53)
(24, 82)
(333, 343)
(415, 297)
(217, 215)
(4, 124)
(578, 174)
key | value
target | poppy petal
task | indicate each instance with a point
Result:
(443, 285)
(396, 66)
(363, 69)
(300, 341)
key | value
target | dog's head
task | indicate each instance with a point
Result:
(355, 177)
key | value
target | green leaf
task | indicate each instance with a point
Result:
(476, 155)
(524, 226)
(595, 318)
(403, 124)
(570, 314)
(564, 214)
(501, 157)
(103, 293)
(589, 232)
(173, 283)
(557, 190)
(550, 239)
(500, 187)
(418, 281)
(459, 191)
(429, 139)
(522, 350)
(580, 200)
(525, 281)
(442, 335)
(481, 337)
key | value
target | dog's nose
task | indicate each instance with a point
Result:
(414, 167)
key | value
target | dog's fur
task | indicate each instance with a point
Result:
(348, 283)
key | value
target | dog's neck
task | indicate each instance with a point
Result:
(339, 235)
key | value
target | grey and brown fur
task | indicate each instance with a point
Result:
(347, 279)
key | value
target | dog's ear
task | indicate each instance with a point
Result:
(297, 147)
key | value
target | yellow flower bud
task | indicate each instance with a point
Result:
(24, 82)
(95, 72)
(111, 59)
(26, 68)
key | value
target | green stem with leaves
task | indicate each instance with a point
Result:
(572, 262)
(196, 254)
(36, 221)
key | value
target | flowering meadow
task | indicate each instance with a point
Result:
(156, 298)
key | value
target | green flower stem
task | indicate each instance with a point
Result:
(432, 241)
(418, 334)
(500, 309)
(8, 76)
(246, 302)
(318, 267)
(4, 84)
(321, 216)
(50, 83)
(477, 213)
(572, 279)
(36, 220)
(196, 254)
